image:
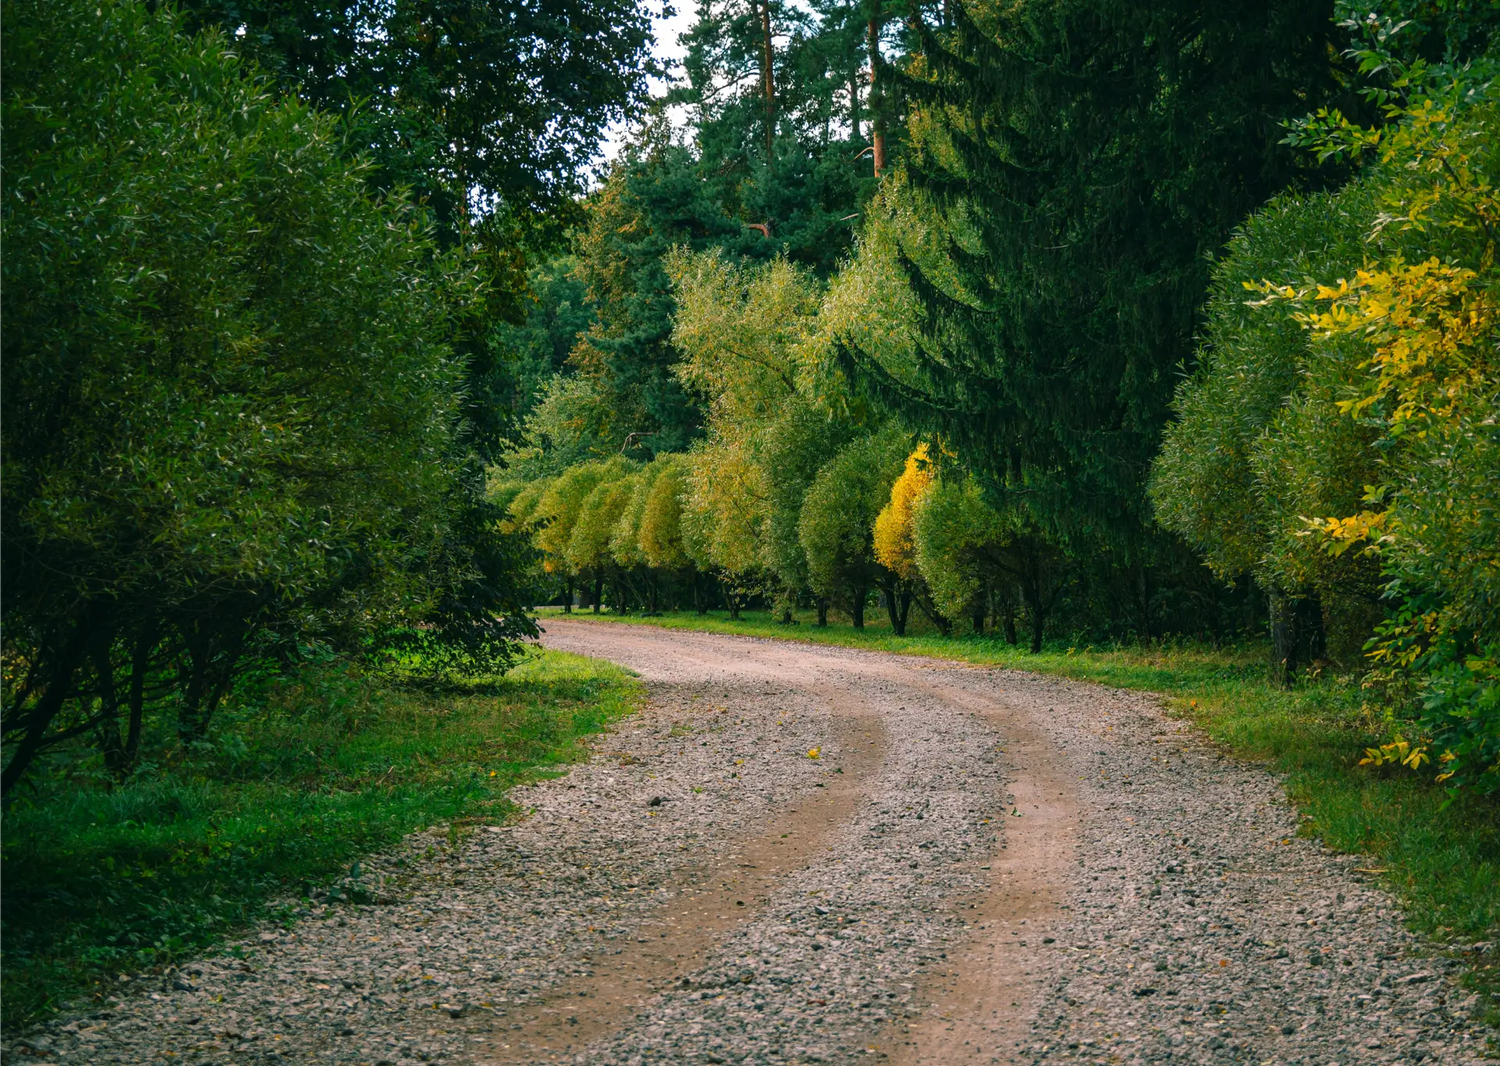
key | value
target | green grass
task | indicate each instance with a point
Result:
(300, 780)
(1444, 862)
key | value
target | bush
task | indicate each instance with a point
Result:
(228, 405)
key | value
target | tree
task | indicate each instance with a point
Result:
(1077, 166)
(590, 548)
(895, 537)
(489, 113)
(1258, 442)
(559, 511)
(956, 540)
(489, 110)
(229, 410)
(976, 558)
(662, 537)
(1355, 400)
(838, 518)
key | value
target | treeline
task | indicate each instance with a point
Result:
(799, 496)
(1159, 319)
(253, 255)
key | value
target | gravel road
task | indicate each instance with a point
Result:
(802, 854)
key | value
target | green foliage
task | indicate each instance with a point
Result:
(557, 313)
(562, 505)
(1079, 164)
(955, 535)
(487, 104)
(661, 535)
(722, 185)
(836, 527)
(229, 407)
(590, 547)
(1339, 438)
(744, 334)
(1258, 444)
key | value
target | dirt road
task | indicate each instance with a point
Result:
(801, 854)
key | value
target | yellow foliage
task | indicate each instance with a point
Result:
(1398, 753)
(894, 544)
(1344, 533)
(1431, 326)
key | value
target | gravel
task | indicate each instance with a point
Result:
(1195, 925)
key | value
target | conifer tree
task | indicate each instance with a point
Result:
(1081, 163)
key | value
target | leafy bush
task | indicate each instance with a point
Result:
(228, 403)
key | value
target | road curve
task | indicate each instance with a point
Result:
(802, 854)
(1093, 883)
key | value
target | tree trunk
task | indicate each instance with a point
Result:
(939, 621)
(568, 597)
(977, 619)
(208, 681)
(54, 695)
(110, 744)
(822, 605)
(877, 96)
(897, 608)
(767, 75)
(1036, 614)
(1283, 639)
(1143, 596)
(854, 119)
(598, 593)
(190, 727)
(857, 607)
(140, 662)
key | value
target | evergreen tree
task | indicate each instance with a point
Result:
(1080, 164)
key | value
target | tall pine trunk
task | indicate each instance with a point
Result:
(767, 75)
(877, 93)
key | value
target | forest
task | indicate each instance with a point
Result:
(936, 307)
(334, 348)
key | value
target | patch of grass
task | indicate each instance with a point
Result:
(298, 782)
(1443, 861)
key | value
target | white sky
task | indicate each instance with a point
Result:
(666, 48)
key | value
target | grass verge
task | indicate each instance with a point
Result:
(300, 779)
(1442, 861)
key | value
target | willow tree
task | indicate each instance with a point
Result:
(837, 525)
(745, 333)
(228, 404)
(895, 537)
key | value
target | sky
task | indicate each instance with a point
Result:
(667, 49)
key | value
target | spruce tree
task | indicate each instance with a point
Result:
(1082, 163)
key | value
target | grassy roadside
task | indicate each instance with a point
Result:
(1444, 863)
(298, 782)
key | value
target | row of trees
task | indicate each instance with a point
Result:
(979, 407)
(798, 493)
(246, 359)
